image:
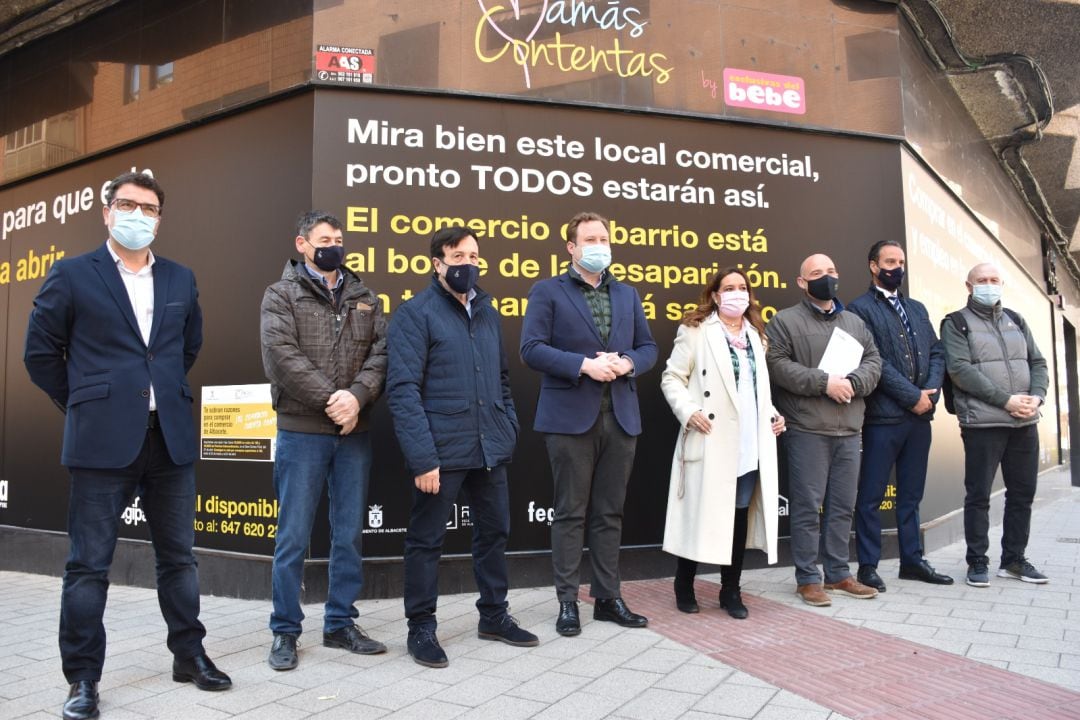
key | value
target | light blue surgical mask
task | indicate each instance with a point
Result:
(133, 230)
(595, 258)
(989, 295)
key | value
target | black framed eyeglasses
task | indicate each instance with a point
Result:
(148, 209)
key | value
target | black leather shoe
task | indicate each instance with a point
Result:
(283, 652)
(82, 701)
(731, 600)
(568, 623)
(353, 639)
(925, 573)
(867, 575)
(201, 671)
(615, 610)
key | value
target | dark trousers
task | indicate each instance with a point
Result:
(98, 499)
(823, 472)
(730, 575)
(907, 446)
(1016, 450)
(489, 509)
(590, 473)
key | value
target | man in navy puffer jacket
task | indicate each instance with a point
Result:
(896, 430)
(449, 393)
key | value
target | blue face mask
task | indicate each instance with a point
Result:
(989, 295)
(133, 230)
(595, 258)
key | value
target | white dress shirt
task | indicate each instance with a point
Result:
(140, 290)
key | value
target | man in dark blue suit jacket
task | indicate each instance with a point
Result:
(111, 338)
(587, 333)
(896, 431)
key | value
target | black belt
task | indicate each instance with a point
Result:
(152, 421)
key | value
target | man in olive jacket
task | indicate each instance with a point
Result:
(999, 380)
(324, 350)
(824, 413)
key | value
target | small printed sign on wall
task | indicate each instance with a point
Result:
(764, 91)
(336, 63)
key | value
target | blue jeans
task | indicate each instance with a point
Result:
(98, 498)
(907, 446)
(304, 464)
(489, 509)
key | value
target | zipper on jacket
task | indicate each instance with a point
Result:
(1004, 352)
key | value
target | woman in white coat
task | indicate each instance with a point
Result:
(723, 495)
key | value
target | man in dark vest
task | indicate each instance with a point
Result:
(999, 380)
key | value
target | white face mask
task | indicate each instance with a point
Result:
(595, 258)
(989, 295)
(132, 229)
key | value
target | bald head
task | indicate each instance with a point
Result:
(817, 265)
(984, 274)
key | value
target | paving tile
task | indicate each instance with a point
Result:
(402, 693)
(549, 687)
(981, 651)
(476, 690)
(622, 683)
(506, 707)
(579, 706)
(742, 701)
(658, 660)
(657, 704)
(695, 678)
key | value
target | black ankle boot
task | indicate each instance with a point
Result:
(685, 599)
(731, 575)
(731, 600)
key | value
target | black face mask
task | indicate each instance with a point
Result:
(462, 278)
(823, 288)
(329, 258)
(890, 279)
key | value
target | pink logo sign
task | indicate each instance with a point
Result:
(764, 91)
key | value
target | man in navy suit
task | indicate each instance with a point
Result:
(112, 336)
(587, 333)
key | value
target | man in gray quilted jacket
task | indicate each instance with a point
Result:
(999, 380)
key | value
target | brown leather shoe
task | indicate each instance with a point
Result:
(812, 594)
(852, 588)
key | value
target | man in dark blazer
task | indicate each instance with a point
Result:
(587, 333)
(896, 429)
(112, 336)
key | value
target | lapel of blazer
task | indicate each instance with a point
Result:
(578, 301)
(718, 346)
(110, 275)
(621, 309)
(162, 277)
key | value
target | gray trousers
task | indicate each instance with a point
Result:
(590, 473)
(823, 472)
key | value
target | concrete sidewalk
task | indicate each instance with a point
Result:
(917, 651)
